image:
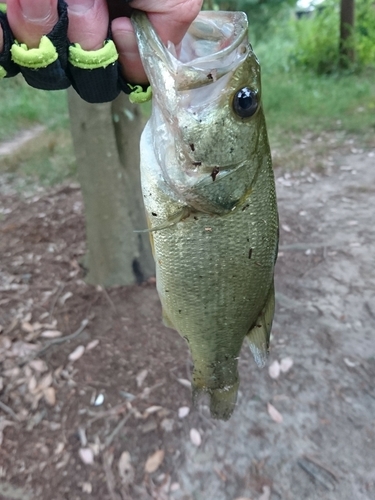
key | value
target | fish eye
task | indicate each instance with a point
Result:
(245, 102)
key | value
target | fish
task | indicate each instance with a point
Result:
(209, 194)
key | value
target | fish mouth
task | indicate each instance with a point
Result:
(214, 45)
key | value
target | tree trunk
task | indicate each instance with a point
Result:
(347, 54)
(106, 143)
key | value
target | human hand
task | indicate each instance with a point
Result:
(88, 24)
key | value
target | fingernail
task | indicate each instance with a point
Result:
(80, 6)
(36, 11)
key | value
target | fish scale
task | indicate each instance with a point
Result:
(214, 238)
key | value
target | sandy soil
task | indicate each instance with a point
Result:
(105, 421)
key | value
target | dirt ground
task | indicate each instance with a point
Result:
(95, 398)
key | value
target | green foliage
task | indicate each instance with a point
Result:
(22, 106)
(261, 13)
(50, 158)
(317, 38)
(296, 100)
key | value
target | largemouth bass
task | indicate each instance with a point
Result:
(209, 194)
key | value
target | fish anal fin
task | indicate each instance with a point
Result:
(259, 336)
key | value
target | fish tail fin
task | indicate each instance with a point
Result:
(259, 336)
(219, 382)
(222, 401)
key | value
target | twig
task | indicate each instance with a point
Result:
(109, 476)
(8, 410)
(116, 430)
(109, 300)
(52, 342)
(318, 472)
(56, 298)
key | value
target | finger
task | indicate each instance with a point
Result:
(130, 60)
(171, 19)
(88, 23)
(30, 20)
(171, 22)
(2, 35)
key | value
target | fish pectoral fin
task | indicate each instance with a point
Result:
(172, 220)
(259, 336)
(167, 322)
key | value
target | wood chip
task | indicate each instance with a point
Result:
(195, 437)
(286, 364)
(51, 334)
(45, 382)
(184, 382)
(154, 461)
(50, 396)
(38, 365)
(274, 369)
(77, 353)
(86, 487)
(86, 455)
(152, 409)
(92, 344)
(125, 469)
(266, 493)
(183, 411)
(274, 414)
(140, 378)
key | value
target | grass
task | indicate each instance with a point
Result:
(298, 101)
(23, 106)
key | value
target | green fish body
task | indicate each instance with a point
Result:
(210, 198)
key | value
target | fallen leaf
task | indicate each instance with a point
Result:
(77, 353)
(87, 487)
(183, 411)
(140, 378)
(167, 424)
(86, 455)
(3, 424)
(51, 334)
(92, 344)
(50, 396)
(184, 382)
(32, 384)
(65, 297)
(154, 461)
(266, 493)
(38, 365)
(99, 400)
(195, 437)
(125, 468)
(350, 363)
(274, 369)
(59, 448)
(274, 414)
(27, 327)
(23, 349)
(286, 364)
(45, 382)
(152, 409)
